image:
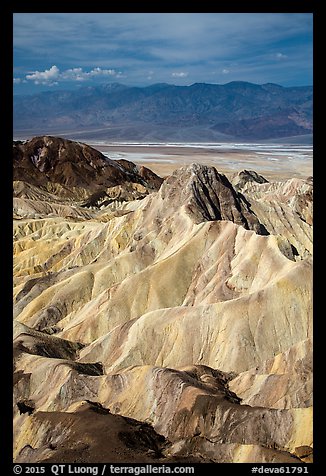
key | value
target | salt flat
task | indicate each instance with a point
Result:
(274, 161)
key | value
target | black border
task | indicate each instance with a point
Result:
(6, 17)
(6, 240)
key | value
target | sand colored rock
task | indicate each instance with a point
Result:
(284, 208)
(282, 382)
(173, 401)
(189, 309)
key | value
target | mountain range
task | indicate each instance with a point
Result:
(236, 111)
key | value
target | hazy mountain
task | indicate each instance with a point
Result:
(234, 111)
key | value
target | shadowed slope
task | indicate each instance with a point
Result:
(67, 168)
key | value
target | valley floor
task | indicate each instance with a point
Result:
(275, 162)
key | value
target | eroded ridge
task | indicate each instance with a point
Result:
(181, 319)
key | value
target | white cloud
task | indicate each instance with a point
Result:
(150, 75)
(225, 71)
(73, 74)
(280, 56)
(45, 77)
(181, 74)
(103, 72)
(53, 75)
(19, 81)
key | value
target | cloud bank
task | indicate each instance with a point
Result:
(53, 75)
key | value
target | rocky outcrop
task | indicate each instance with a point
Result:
(284, 381)
(192, 406)
(241, 179)
(189, 309)
(83, 437)
(47, 160)
(207, 196)
(284, 208)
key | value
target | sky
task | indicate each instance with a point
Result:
(73, 50)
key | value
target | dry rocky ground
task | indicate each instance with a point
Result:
(159, 321)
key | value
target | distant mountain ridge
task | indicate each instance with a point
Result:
(234, 111)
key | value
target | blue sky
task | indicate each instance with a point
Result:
(70, 50)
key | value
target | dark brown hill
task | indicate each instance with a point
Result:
(94, 435)
(73, 164)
